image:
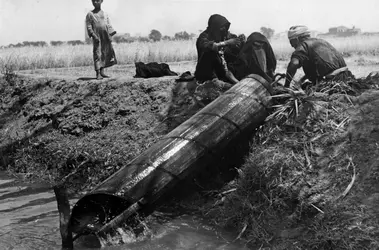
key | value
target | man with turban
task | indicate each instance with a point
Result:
(318, 58)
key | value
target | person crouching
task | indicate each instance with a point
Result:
(215, 46)
(318, 58)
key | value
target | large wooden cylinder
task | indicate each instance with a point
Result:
(187, 149)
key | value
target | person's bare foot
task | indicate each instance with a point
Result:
(103, 74)
(98, 75)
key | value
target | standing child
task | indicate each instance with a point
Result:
(101, 31)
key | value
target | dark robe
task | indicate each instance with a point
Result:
(318, 59)
(251, 61)
(209, 63)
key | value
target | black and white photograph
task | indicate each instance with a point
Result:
(189, 125)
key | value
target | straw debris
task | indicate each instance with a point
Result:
(295, 190)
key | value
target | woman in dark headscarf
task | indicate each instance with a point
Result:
(255, 57)
(210, 42)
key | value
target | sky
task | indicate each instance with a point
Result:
(47, 20)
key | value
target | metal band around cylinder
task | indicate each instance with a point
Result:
(262, 81)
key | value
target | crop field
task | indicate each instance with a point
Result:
(68, 56)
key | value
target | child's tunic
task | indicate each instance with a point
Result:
(98, 24)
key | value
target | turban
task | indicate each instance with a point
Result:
(298, 31)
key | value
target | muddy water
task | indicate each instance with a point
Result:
(29, 220)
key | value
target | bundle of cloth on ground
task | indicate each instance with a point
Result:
(153, 69)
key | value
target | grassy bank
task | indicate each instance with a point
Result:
(310, 180)
(163, 51)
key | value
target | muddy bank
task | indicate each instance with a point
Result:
(50, 128)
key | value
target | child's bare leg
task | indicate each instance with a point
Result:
(102, 73)
(98, 75)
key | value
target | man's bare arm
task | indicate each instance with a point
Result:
(291, 70)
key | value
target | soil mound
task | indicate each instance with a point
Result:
(51, 128)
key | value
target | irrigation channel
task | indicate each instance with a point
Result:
(29, 219)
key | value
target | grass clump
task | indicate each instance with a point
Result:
(8, 65)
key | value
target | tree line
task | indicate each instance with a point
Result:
(43, 43)
(154, 36)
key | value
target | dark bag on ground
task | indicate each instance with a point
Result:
(185, 77)
(153, 69)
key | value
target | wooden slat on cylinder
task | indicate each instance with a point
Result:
(185, 150)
